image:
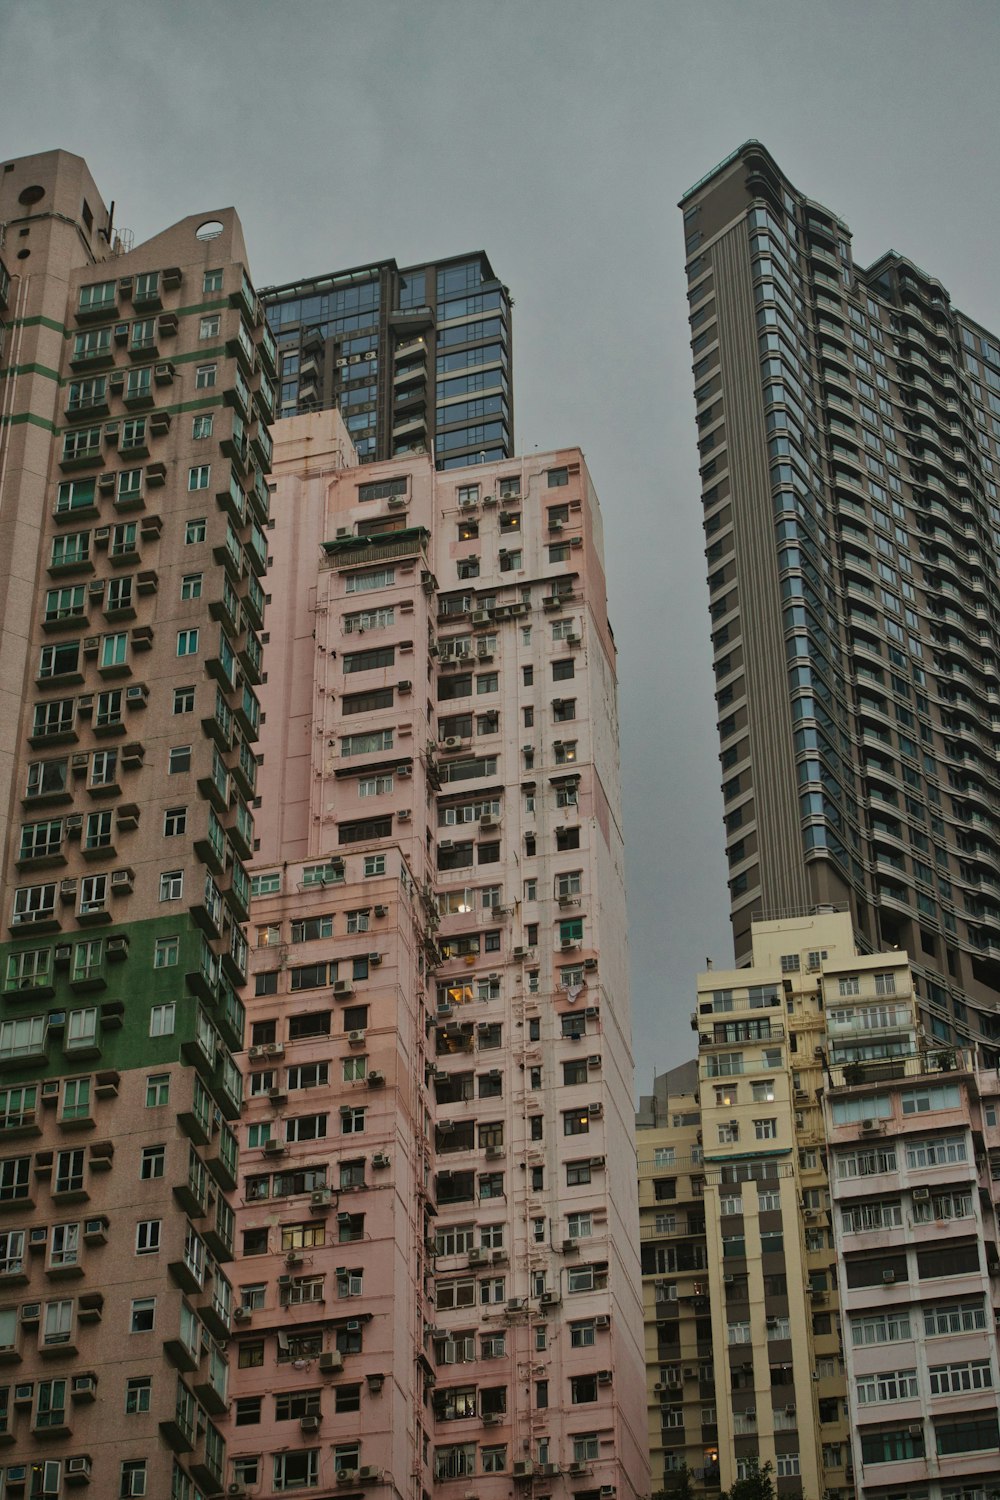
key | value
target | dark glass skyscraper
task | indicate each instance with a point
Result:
(849, 439)
(415, 358)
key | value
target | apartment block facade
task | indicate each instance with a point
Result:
(827, 1191)
(417, 359)
(849, 436)
(914, 1158)
(438, 1291)
(673, 1247)
(133, 444)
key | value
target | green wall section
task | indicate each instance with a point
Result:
(124, 993)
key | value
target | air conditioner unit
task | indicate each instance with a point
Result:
(255, 1054)
(869, 1127)
(590, 964)
(921, 1195)
(403, 816)
(320, 1198)
(31, 1312)
(380, 1159)
(519, 953)
(577, 1467)
(375, 1079)
(604, 1377)
(309, 1423)
(888, 1277)
(403, 772)
(516, 1304)
(916, 1429)
(381, 911)
(274, 1148)
(492, 1419)
(550, 1299)
(522, 1470)
(404, 686)
(595, 1110)
(489, 820)
(242, 1314)
(603, 1320)
(368, 1474)
(274, 1049)
(596, 1163)
(355, 1037)
(343, 987)
(236, 1489)
(480, 617)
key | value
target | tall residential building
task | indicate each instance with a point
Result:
(673, 1247)
(849, 439)
(136, 391)
(914, 1156)
(417, 359)
(853, 1316)
(439, 1291)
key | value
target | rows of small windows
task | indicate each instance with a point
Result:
(101, 297)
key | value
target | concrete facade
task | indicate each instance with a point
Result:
(914, 1153)
(135, 396)
(439, 1289)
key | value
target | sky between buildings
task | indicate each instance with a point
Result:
(557, 135)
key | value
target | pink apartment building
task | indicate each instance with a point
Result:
(437, 1290)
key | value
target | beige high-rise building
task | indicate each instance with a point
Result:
(849, 444)
(680, 1361)
(828, 1192)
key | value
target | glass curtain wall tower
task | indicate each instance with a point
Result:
(414, 358)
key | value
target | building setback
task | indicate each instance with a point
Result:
(416, 359)
(849, 433)
(438, 1290)
(133, 443)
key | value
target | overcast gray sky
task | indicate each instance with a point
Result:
(558, 136)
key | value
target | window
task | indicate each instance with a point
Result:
(174, 822)
(212, 281)
(297, 1469)
(204, 380)
(152, 1162)
(147, 1236)
(209, 328)
(138, 1395)
(172, 885)
(166, 953)
(178, 759)
(187, 642)
(201, 427)
(143, 1315)
(195, 530)
(157, 1090)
